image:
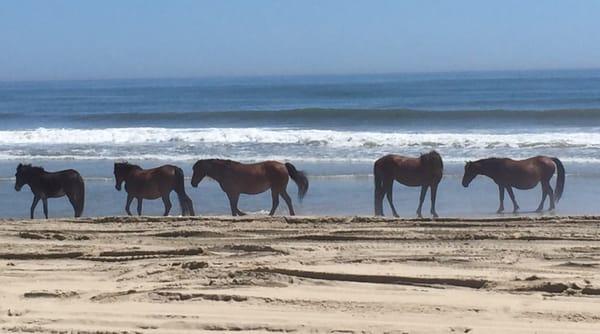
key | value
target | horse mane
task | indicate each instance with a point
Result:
(127, 165)
(222, 162)
(37, 169)
(488, 160)
(432, 160)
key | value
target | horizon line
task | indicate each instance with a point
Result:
(307, 75)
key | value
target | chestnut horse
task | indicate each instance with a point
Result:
(236, 178)
(520, 174)
(46, 185)
(425, 172)
(152, 184)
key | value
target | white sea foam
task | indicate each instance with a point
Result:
(304, 137)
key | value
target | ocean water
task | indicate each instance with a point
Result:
(333, 127)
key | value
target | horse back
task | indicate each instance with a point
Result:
(56, 184)
(408, 170)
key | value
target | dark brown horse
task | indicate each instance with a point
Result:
(425, 172)
(46, 185)
(152, 184)
(237, 178)
(520, 174)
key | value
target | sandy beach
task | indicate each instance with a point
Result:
(282, 274)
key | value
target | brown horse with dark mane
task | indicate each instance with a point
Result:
(520, 174)
(152, 184)
(425, 172)
(46, 185)
(236, 178)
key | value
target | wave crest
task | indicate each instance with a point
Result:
(329, 138)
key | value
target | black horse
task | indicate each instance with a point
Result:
(46, 185)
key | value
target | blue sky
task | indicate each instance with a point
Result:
(41, 40)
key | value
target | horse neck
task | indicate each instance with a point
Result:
(130, 171)
(489, 168)
(215, 171)
(34, 176)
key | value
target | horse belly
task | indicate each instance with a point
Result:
(410, 181)
(56, 194)
(259, 187)
(526, 185)
(151, 192)
(256, 189)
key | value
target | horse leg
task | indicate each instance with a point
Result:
(501, 195)
(288, 201)
(421, 200)
(167, 202)
(550, 192)
(233, 203)
(275, 198)
(379, 194)
(512, 198)
(389, 194)
(45, 203)
(74, 204)
(433, 199)
(128, 204)
(546, 191)
(139, 206)
(36, 199)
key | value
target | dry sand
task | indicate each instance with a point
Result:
(339, 275)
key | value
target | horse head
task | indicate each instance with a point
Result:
(23, 175)
(471, 171)
(121, 170)
(201, 168)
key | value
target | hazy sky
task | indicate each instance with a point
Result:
(131, 39)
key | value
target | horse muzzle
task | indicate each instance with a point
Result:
(118, 187)
(18, 187)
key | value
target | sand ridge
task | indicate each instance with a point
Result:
(300, 274)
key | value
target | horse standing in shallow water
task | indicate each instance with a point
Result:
(46, 185)
(520, 174)
(425, 171)
(236, 178)
(152, 184)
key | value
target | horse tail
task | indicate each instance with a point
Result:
(560, 179)
(187, 206)
(300, 178)
(377, 175)
(80, 193)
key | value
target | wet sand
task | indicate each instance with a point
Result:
(340, 275)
